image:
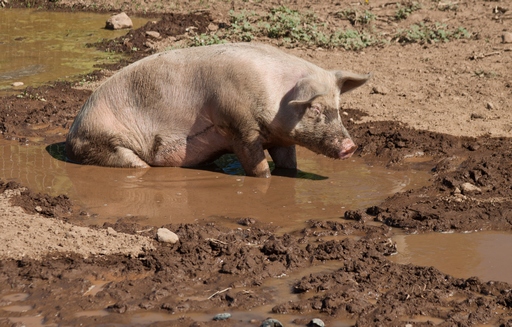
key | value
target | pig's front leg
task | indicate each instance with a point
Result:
(284, 157)
(252, 157)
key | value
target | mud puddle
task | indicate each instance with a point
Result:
(176, 195)
(485, 255)
(40, 46)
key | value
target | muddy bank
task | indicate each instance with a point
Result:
(338, 270)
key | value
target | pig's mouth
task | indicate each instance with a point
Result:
(348, 148)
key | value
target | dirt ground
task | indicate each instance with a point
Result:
(445, 106)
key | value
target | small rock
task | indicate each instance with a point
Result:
(222, 316)
(316, 323)
(271, 323)
(154, 34)
(468, 188)
(38, 209)
(213, 27)
(111, 231)
(16, 84)
(380, 90)
(166, 236)
(353, 215)
(489, 105)
(506, 37)
(119, 21)
(476, 116)
(246, 221)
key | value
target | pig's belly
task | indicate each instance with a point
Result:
(191, 150)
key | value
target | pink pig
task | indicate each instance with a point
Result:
(187, 107)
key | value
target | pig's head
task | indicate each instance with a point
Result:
(314, 120)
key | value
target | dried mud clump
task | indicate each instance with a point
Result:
(137, 44)
(470, 191)
(56, 207)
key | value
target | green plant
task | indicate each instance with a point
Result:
(405, 9)
(487, 74)
(205, 39)
(447, 6)
(292, 28)
(437, 32)
(352, 40)
(357, 17)
(242, 28)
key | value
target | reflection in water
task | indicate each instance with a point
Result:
(483, 254)
(173, 195)
(40, 46)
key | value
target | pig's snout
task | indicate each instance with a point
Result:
(348, 147)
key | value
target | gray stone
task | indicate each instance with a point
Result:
(315, 322)
(119, 21)
(222, 316)
(506, 37)
(154, 34)
(271, 323)
(468, 188)
(166, 236)
(380, 90)
(111, 231)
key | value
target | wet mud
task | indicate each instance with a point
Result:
(344, 268)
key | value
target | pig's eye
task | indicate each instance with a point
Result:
(316, 109)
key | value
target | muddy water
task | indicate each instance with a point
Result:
(485, 255)
(38, 46)
(278, 288)
(324, 189)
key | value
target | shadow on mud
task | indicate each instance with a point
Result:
(227, 164)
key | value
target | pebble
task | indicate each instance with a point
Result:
(380, 90)
(154, 34)
(166, 236)
(506, 37)
(222, 316)
(489, 106)
(468, 188)
(315, 322)
(16, 84)
(271, 323)
(111, 231)
(119, 21)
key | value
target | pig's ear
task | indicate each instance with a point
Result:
(305, 91)
(347, 81)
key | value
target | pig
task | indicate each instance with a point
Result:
(187, 107)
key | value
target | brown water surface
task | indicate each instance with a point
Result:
(482, 254)
(39, 46)
(324, 189)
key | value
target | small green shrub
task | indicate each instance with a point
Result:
(404, 10)
(356, 17)
(437, 32)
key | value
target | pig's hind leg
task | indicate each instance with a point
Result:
(101, 151)
(124, 157)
